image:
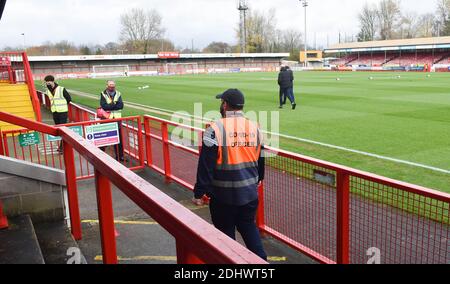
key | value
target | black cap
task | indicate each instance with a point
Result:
(233, 96)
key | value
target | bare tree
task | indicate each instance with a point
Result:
(140, 27)
(261, 31)
(388, 16)
(426, 26)
(368, 22)
(408, 25)
(442, 24)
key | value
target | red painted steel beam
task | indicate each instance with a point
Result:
(72, 192)
(148, 142)
(260, 212)
(29, 124)
(106, 218)
(343, 218)
(212, 245)
(3, 219)
(31, 87)
(166, 152)
(2, 151)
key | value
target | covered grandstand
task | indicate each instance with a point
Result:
(152, 64)
(420, 54)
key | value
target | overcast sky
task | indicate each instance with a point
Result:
(97, 21)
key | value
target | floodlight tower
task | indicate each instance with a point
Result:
(305, 5)
(243, 8)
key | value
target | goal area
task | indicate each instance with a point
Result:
(182, 68)
(110, 70)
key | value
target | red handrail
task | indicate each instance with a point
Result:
(31, 87)
(194, 236)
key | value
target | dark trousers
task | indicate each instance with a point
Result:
(287, 93)
(60, 118)
(118, 149)
(228, 218)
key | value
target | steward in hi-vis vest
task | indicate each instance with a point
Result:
(231, 166)
(58, 96)
(59, 102)
(111, 101)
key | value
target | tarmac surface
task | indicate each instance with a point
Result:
(141, 240)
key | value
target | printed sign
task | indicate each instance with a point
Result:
(103, 134)
(5, 61)
(29, 139)
(324, 177)
(165, 55)
(77, 129)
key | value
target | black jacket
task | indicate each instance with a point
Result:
(286, 78)
(206, 172)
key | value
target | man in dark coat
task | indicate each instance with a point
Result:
(286, 83)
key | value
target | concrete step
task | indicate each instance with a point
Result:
(13, 87)
(18, 103)
(16, 98)
(58, 245)
(19, 244)
(12, 108)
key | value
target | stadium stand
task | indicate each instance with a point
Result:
(152, 64)
(406, 53)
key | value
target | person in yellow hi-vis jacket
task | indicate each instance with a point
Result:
(111, 101)
(59, 102)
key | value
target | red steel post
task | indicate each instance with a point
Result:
(5, 144)
(260, 213)
(2, 152)
(3, 220)
(69, 113)
(166, 149)
(86, 116)
(148, 142)
(69, 163)
(31, 87)
(10, 75)
(106, 218)
(343, 208)
(200, 141)
(141, 143)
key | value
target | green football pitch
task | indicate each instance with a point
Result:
(385, 117)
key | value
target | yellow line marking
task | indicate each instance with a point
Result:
(173, 258)
(121, 222)
(141, 258)
(277, 258)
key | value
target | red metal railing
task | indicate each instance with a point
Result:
(329, 212)
(20, 72)
(196, 240)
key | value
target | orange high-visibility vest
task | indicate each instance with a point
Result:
(239, 149)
